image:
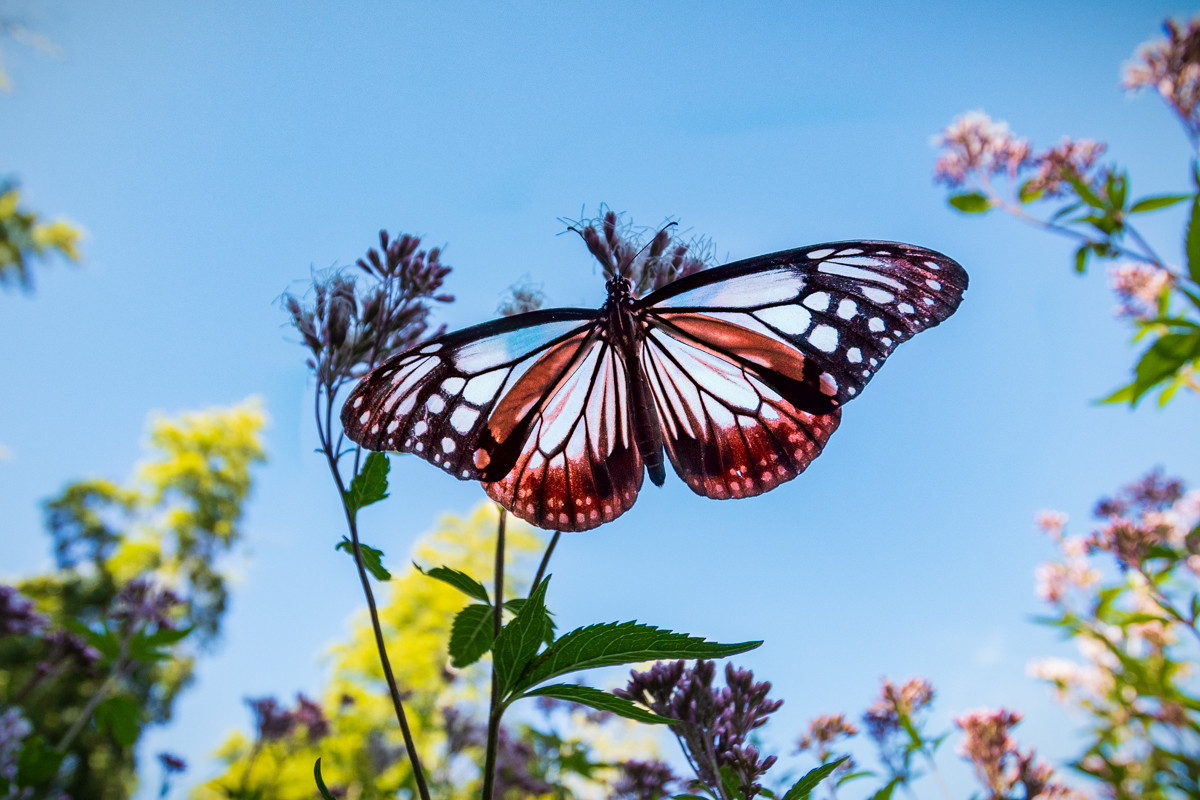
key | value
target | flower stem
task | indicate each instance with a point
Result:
(541, 570)
(493, 734)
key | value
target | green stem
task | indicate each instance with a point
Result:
(541, 570)
(493, 734)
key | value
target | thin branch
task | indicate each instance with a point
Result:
(541, 570)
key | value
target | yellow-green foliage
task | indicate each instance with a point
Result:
(24, 236)
(363, 753)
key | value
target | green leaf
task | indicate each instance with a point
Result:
(370, 485)
(519, 640)
(689, 797)
(325, 794)
(594, 698)
(730, 783)
(1167, 355)
(1028, 192)
(372, 558)
(459, 580)
(971, 202)
(514, 606)
(1117, 189)
(121, 716)
(1085, 192)
(1065, 210)
(803, 788)
(167, 636)
(471, 634)
(1157, 201)
(1122, 395)
(1193, 241)
(1081, 256)
(615, 643)
(107, 643)
(886, 792)
(38, 761)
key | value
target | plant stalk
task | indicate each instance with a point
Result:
(493, 734)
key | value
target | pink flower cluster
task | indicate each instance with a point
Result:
(999, 764)
(1172, 68)
(1139, 286)
(975, 147)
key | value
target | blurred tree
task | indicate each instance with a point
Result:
(140, 557)
(352, 729)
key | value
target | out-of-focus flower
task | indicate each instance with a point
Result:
(274, 721)
(13, 730)
(895, 704)
(523, 298)
(1172, 68)
(976, 146)
(643, 780)
(516, 768)
(998, 762)
(1051, 523)
(1069, 158)
(142, 602)
(17, 614)
(714, 724)
(1139, 286)
(171, 762)
(1054, 580)
(824, 731)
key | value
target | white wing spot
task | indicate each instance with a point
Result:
(393, 425)
(420, 428)
(935, 285)
(453, 385)
(818, 301)
(847, 308)
(823, 337)
(357, 402)
(420, 446)
(433, 348)
(887, 342)
(854, 355)
(851, 390)
(463, 419)
(846, 270)
(929, 301)
(876, 324)
(828, 384)
(874, 362)
(366, 415)
(448, 445)
(877, 295)
(933, 265)
(435, 403)
(822, 253)
(374, 429)
(906, 308)
(483, 388)
(789, 319)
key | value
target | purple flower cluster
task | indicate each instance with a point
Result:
(349, 327)
(142, 602)
(648, 267)
(714, 724)
(643, 780)
(516, 760)
(13, 730)
(1172, 68)
(17, 614)
(274, 721)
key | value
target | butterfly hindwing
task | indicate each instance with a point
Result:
(578, 466)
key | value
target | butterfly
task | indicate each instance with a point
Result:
(737, 372)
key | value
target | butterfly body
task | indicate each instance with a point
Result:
(737, 373)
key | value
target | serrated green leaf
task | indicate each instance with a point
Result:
(459, 580)
(1157, 201)
(614, 643)
(325, 794)
(886, 792)
(970, 202)
(594, 698)
(167, 636)
(120, 715)
(1193, 241)
(803, 788)
(519, 641)
(38, 761)
(730, 783)
(105, 642)
(372, 558)
(514, 606)
(471, 634)
(370, 484)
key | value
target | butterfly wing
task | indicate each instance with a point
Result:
(534, 406)
(749, 363)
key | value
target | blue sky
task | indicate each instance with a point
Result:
(217, 152)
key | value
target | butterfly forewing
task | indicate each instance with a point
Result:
(436, 400)
(843, 306)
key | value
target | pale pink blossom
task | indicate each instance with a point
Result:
(1051, 523)
(1139, 286)
(1172, 68)
(976, 145)
(1075, 158)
